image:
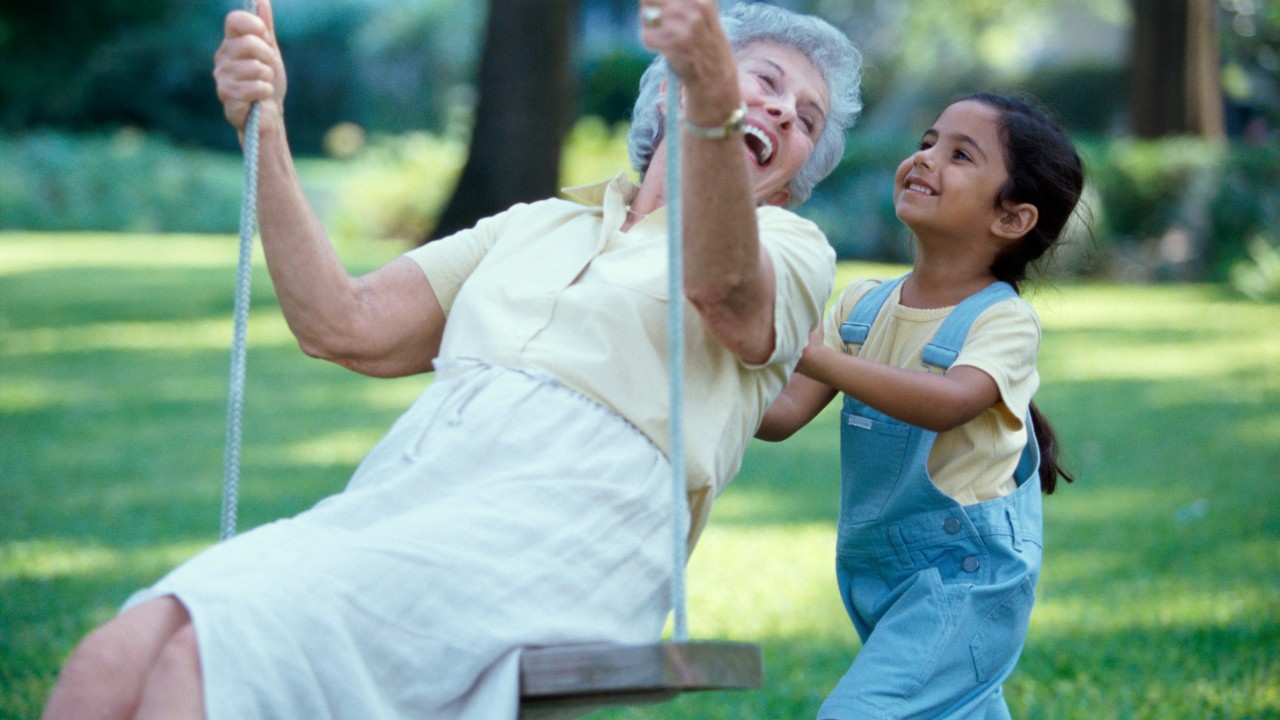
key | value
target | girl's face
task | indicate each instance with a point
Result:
(949, 186)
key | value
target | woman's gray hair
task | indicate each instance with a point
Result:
(827, 48)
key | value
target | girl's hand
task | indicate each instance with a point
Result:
(813, 349)
(248, 68)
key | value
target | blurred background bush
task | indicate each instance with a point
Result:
(108, 119)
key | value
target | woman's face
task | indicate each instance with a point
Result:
(787, 104)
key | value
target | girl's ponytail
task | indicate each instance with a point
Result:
(1046, 171)
(1047, 440)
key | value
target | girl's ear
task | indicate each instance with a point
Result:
(1014, 221)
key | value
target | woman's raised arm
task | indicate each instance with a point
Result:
(387, 323)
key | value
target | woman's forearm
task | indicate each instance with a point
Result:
(729, 276)
(317, 295)
(387, 323)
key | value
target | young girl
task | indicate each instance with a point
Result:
(939, 539)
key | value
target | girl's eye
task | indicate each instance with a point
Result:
(962, 155)
(925, 145)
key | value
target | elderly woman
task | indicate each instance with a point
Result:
(524, 498)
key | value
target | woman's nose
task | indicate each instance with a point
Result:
(783, 110)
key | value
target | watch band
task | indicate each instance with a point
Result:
(731, 127)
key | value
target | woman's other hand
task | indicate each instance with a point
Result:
(248, 68)
(688, 34)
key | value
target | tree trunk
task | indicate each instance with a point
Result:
(1175, 83)
(523, 112)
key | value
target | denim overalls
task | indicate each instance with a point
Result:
(940, 594)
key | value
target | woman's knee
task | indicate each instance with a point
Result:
(182, 651)
(173, 689)
(106, 672)
(127, 644)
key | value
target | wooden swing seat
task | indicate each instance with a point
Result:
(568, 681)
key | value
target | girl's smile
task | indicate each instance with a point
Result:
(951, 183)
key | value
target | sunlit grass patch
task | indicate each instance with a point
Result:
(23, 252)
(265, 326)
(53, 559)
(748, 583)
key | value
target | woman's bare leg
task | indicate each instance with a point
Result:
(105, 675)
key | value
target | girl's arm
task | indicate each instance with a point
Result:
(933, 402)
(801, 400)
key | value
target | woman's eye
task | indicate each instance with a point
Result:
(768, 81)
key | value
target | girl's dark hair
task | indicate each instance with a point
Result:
(1046, 171)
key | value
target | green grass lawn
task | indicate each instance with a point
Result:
(1160, 596)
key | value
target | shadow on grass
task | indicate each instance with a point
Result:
(133, 453)
(126, 294)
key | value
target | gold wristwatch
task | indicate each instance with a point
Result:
(731, 127)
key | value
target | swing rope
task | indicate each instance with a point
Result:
(244, 277)
(675, 360)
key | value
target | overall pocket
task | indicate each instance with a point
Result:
(1002, 633)
(872, 452)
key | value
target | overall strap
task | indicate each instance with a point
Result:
(946, 344)
(857, 326)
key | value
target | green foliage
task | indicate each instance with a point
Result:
(393, 188)
(854, 205)
(608, 84)
(53, 49)
(1158, 600)
(1144, 182)
(1086, 98)
(1258, 277)
(594, 151)
(397, 188)
(1182, 207)
(122, 181)
(101, 65)
(1250, 48)
(1172, 209)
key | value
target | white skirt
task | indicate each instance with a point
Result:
(501, 510)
